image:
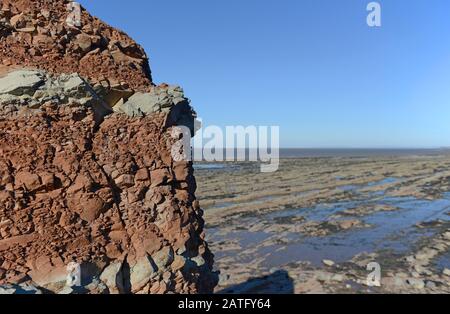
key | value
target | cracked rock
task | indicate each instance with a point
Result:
(81, 184)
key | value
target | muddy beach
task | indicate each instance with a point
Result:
(316, 224)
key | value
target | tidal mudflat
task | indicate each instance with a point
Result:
(316, 224)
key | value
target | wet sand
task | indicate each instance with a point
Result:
(315, 225)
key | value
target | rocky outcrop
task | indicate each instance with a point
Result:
(35, 34)
(91, 199)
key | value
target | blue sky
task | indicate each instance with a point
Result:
(313, 67)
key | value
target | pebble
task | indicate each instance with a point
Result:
(416, 283)
(328, 262)
(430, 285)
(338, 278)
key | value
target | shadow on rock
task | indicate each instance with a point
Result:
(277, 283)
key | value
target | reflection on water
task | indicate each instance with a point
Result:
(355, 187)
(389, 230)
(443, 262)
(384, 181)
(209, 166)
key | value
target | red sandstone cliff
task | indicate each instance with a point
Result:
(86, 172)
(37, 35)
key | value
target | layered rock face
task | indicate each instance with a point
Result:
(91, 198)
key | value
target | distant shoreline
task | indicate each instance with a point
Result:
(359, 152)
(290, 153)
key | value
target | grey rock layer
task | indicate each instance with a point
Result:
(32, 89)
(20, 83)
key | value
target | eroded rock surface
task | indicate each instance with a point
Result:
(35, 34)
(88, 185)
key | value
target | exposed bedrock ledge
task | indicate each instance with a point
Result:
(31, 89)
(83, 182)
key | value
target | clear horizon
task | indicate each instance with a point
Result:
(347, 148)
(314, 68)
